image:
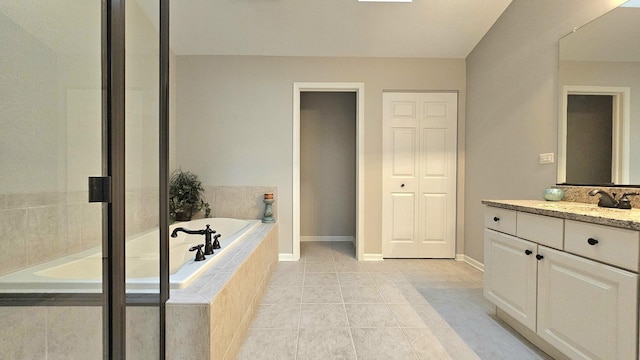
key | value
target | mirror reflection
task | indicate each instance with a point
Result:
(599, 122)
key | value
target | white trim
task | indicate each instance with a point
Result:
(286, 257)
(328, 238)
(358, 88)
(372, 257)
(471, 261)
(621, 129)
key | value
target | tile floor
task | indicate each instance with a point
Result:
(330, 306)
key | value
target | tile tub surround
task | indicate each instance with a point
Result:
(52, 332)
(59, 224)
(239, 202)
(581, 194)
(625, 219)
(209, 319)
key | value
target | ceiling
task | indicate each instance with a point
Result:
(423, 28)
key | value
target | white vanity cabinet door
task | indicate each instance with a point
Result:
(510, 275)
(586, 310)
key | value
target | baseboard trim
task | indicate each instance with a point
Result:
(372, 257)
(471, 261)
(285, 257)
(327, 238)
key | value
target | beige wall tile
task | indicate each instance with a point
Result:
(143, 332)
(188, 334)
(74, 333)
(13, 240)
(23, 333)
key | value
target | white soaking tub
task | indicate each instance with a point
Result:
(83, 271)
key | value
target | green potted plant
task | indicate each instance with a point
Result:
(185, 196)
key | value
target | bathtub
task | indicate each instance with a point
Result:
(83, 271)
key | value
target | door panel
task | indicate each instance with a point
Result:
(586, 309)
(433, 227)
(430, 153)
(434, 150)
(510, 275)
(404, 144)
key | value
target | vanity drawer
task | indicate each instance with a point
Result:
(614, 246)
(498, 219)
(541, 229)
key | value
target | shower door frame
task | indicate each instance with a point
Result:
(115, 299)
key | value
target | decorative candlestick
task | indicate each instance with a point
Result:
(268, 211)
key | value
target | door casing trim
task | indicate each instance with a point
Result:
(357, 88)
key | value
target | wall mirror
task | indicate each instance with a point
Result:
(599, 120)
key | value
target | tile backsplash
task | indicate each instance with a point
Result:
(581, 194)
(239, 202)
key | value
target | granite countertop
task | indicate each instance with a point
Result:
(626, 219)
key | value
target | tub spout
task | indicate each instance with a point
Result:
(184, 230)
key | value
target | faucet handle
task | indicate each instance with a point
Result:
(199, 254)
(624, 202)
(216, 243)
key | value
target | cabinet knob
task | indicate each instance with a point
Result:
(592, 241)
(528, 252)
(402, 185)
(496, 219)
(539, 257)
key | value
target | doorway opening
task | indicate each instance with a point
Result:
(357, 89)
(593, 135)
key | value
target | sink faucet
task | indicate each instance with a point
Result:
(207, 232)
(606, 200)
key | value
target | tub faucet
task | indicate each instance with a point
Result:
(606, 200)
(207, 232)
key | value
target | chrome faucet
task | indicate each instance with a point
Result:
(207, 232)
(606, 200)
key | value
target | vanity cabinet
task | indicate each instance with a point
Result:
(510, 275)
(584, 308)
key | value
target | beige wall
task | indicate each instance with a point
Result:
(512, 102)
(327, 164)
(234, 117)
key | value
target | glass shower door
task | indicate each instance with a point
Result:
(50, 143)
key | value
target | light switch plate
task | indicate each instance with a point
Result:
(546, 158)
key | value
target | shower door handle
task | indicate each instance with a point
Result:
(100, 189)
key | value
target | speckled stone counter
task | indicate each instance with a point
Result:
(626, 219)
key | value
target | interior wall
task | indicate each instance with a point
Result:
(328, 164)
(235, 120)
(512, 102)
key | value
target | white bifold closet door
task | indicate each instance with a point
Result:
(419, 174)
